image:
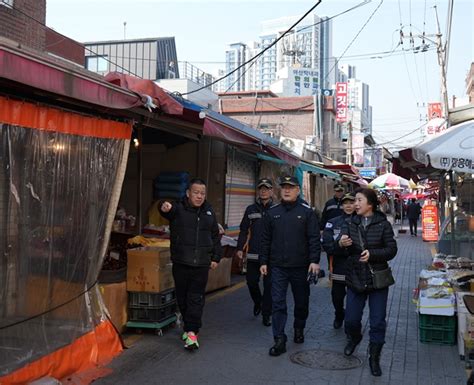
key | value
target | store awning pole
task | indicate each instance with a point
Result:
(139, 179)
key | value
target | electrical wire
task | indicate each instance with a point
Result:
(74, 42)
(257, 55)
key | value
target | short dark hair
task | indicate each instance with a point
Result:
(196, 181)
(370, 195)
(413, 200)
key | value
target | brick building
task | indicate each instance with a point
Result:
(23, 21)
(290, 117)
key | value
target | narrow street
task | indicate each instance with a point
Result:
(234, 344)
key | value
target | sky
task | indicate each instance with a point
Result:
(399, 83)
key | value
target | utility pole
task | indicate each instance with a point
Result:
(442, 65)
(349, 143)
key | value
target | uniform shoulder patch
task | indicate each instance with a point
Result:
(306, 205)
(329, 225)
(275, 205)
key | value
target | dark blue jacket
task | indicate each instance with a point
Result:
(332, 209)
(331, 235)
(413, 210)
(194, 234)
(252, 225)
(290, 236)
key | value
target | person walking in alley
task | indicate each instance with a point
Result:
(369, 240)
(333, 207)
(337, 258)
(413, 213)
(251, 228)
(195, 247)
(290, 249)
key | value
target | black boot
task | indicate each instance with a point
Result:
(374, 358)
(299, 336)
(352, 341)
(279, 347)
(266, 320)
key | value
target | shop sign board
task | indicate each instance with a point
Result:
(434, 110)
(368, 172)
(341, 102)
(430, 223)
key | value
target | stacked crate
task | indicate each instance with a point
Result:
(150, 286)
(437, 329)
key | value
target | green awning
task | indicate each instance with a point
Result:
(308, 167)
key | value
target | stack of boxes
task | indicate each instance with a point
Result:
(150, 286)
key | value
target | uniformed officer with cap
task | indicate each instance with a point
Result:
(290, 249)
(332, 208)
(251, 228)
(337, 257)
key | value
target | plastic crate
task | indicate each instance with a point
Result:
(437, 322)
(141, 299)
(437, 337)
(150, 314)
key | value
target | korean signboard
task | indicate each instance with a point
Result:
(358, 149)
(435, 126)
(305, 82)
(434, 110)
(429, 222)
(341, 102)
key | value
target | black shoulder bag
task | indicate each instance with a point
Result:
(381, 279)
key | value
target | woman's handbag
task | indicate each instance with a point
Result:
(381, 279)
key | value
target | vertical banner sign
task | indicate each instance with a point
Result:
(341, 102)
(434, 110)
(429, 223)
(358, 148)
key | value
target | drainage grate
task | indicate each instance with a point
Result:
(324, 359)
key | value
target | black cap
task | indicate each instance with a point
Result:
(265, 182)
(348, 197)
(338, 187)
(288, 179)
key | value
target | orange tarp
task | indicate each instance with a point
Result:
(45, 118)
(93, 349)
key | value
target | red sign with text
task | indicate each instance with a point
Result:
(430, 223)
(434, 110)
(341, 102)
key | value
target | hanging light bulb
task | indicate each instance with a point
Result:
(136, 143)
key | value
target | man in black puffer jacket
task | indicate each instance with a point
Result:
(251, 228)
(290, 248)
(195, 246)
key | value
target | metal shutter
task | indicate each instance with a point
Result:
(239, 191)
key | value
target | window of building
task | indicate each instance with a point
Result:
(7, 3)
(97, 63)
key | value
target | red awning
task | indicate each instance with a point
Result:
(235, 136)
(165, 102)
(347, 168)
(43, 73)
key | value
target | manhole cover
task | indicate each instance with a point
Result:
(323, 359)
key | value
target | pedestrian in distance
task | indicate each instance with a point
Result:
(248, 244)
(333, 207)
(290, 251)
(195, 247)
(413, 213)
(337, 258)
(369, 240)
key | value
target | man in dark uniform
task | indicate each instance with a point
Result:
(290, 248)
(195, 247)
(337, 258)
(332, 208)
(413, 213)
(251, 228)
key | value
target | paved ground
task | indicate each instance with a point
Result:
(234, 344)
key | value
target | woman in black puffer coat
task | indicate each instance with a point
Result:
(369, 241)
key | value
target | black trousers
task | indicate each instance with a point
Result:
(253, 283)
(413, 226)
(338, 293)
(190, 283)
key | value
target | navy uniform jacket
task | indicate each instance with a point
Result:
(290, 236)
(332, 209)
(331, 236)
(252, 222)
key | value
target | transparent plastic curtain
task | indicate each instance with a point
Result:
(56, 193)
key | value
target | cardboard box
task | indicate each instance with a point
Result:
(220, 277)
(115, 298)
(148, 269)
(436, 306)
(462, 313)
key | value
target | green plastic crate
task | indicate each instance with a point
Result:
(437, 337)
(437, 322)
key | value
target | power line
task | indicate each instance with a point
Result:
(74, 42)
(257, 55)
